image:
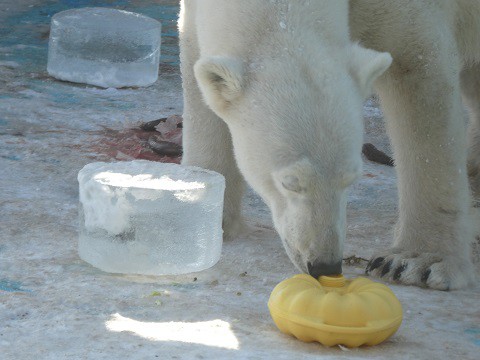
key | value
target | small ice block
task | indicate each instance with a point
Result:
(151, 218)
(104, 47)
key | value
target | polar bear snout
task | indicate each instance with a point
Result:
(313, 244)
(310, 217)
(319, 268)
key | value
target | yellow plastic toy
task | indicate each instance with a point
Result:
(335, 311)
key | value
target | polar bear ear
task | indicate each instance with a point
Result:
(367, 65)
(220, 80)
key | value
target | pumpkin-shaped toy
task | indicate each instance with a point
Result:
(335, 311)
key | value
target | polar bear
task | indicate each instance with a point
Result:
(273, 94)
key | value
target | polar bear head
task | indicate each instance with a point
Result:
(297, 130)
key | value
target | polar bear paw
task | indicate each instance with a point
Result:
(426, 270)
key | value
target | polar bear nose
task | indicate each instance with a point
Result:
(317, 269)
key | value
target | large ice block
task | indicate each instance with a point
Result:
(144, 217)
(104, 47)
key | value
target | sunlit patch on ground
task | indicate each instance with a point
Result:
(216, 333)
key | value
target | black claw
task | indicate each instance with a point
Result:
(386, 267)
(425, 276)
(373, 264)
(398, 271)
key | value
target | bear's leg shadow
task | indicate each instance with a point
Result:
(421, 99)
(206, 138)
(470, 80)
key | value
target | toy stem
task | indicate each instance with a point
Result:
(332, 280)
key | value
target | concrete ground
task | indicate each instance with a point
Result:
(55, 306)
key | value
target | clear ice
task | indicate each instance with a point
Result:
(104, 47)
(145, 217)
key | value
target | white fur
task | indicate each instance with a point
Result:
(273, 91)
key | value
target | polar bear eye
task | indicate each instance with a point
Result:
(292, 183)
(296, 177)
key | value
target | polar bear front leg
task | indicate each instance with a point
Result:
(432, 241)
(470, 81)
(207, 144)
(206, 139)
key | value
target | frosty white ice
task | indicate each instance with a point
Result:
(104, 47)
(150, 218)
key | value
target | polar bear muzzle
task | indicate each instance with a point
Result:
(317, 269)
